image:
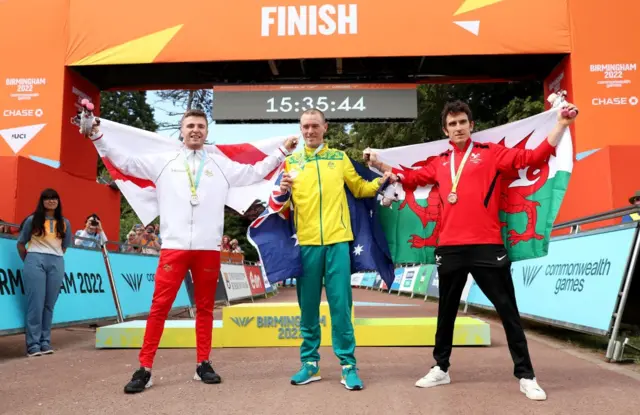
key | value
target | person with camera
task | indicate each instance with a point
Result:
(149, 241)
(92, 234)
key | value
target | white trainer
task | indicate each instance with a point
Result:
(435, 377)
(533, 391)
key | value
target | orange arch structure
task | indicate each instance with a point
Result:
(55, 52)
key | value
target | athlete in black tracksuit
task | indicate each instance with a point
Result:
(470, 240)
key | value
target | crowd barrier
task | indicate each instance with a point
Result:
(103, 285)
(581, 285)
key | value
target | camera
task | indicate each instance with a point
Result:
(93, 222)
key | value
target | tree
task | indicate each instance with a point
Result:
(201, 99)
(130, 108)
(491, 105)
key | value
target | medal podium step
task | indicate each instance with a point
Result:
(277, 325)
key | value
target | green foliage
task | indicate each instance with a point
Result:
(491, 105)
(235, 226)
(130, 108)
(201, 99)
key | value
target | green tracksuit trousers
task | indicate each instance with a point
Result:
(334, 264)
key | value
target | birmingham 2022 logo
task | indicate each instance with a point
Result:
(242, 321)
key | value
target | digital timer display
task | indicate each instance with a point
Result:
(337, 102)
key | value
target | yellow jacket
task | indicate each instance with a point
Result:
(320, 208)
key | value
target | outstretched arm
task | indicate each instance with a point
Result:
(515, 159)
(136, 165)
(357, 184)
(239, 174)
(409, 178)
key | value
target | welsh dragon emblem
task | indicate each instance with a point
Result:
(512, 200)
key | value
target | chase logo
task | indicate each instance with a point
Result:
(529, 273)
(133, 280)
(242, 321)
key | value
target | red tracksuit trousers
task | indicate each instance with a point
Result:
(172, 268)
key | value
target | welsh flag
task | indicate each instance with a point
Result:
(141, 193)
(529, 199)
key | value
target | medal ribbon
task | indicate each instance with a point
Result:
(194, 184)
(455, 177)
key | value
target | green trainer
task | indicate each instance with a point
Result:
(308, 373)
(350, 378)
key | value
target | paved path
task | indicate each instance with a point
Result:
(79, 379)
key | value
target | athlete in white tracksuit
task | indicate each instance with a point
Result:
(191, 186)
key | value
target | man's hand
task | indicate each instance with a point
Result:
(286, 183)
(567, 119)
(392, 178)
(291, 143)
(370, 157)
(95, 129)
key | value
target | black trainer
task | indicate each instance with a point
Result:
(205, 373)
(140, 381)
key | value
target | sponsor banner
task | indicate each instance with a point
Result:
(85, 293)
(282, 30)
(434, 287)
(605, 73)
(466, 289)
(395, 285)
(256, 282)
(271, 324)
(368, 279)
(32, 74)
(378, 282)
(265, 281)
(235, 281)
(356, 279)
(577, 284)
(408, 279)
(422, 279)
(135, 282)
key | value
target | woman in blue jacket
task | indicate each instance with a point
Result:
(48, 235)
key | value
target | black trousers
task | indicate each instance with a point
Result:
(491, 269)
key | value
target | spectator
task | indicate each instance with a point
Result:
(157, 232)
(92, 231)
(234, 247)
(225, 246)
(138, 229)
(149, 241)
(132, 239)
(48, 234)
(5, 228)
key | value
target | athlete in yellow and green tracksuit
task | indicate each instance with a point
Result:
(323, 226)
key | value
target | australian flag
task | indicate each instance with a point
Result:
(274, 235)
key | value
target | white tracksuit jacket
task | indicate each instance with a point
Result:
(183, 226)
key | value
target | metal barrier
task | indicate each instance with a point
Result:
(615, 348)
(9, 231)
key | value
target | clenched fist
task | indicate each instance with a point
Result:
(291, 143)
(286, 183)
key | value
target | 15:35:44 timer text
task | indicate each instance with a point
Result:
(322, 103)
